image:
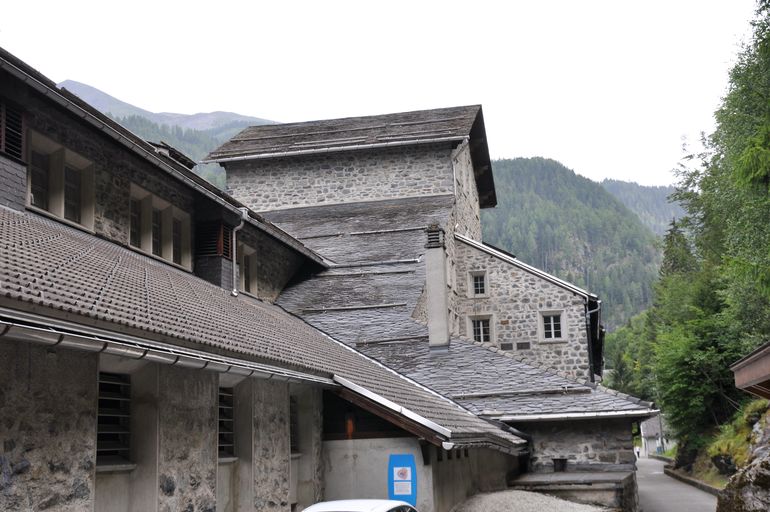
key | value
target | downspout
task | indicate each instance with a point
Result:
(589, 312)
(234, 249)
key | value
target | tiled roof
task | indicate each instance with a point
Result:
(453, 123)
(364, 301)
(56, 270)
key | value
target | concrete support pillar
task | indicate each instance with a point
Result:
(262, 446)
(437, 303)
(187, 439)
(48, 406)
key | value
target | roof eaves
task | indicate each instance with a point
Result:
(524, 418)
(335, 149)
(392, 406)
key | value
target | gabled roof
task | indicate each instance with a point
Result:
(164, 157)
(442, 125)
(61, 273)
(367, 296)
(509, 258)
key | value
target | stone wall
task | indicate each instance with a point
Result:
(276, 263)
(47, 428)
(270, 446)
(387, 173)
(13, 176)
(187, 439)
(114, 167)
(515, 301)
(604, 445)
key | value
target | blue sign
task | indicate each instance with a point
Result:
(402, 478)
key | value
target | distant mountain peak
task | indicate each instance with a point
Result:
(118, 108)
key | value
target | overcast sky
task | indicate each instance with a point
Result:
(609, 88)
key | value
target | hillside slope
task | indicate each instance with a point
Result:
(570, 226)
(650, 204)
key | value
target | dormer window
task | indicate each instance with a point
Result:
(247, 265)
(60, 182)
(156, 227)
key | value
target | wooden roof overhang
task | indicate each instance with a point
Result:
(752, 373)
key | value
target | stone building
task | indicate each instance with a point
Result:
(139, 371)
(392, 202)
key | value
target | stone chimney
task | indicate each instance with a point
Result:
(436, 289)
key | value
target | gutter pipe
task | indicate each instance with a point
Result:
(234, 249)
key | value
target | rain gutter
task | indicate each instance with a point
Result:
(570, 416)
(45, 331)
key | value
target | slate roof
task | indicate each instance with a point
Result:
(441, 125)
(56, 271)
(450, 124)
(366, 299)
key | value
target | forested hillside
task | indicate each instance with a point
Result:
(194, 143)
(570, 226)
(650, 204)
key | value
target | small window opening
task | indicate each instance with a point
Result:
(481, 330)
(39, 168)
(226, 423)
(113, 432)
(551, 326)
(176, 241)
(72, 199)
(157, 246)
(294, 424)
(479, 284)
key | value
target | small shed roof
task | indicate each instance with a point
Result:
(442, 125)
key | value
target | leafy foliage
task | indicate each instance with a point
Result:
(571, 227)
(712, 298)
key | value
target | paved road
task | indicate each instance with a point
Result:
(659, 492)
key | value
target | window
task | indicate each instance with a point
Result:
(113, 434)
(247, 265)
(159, 228)
(477, 284)
(481, 332)
(226, 423)
(294, 424)
(11, 130)
(506, 346)
(523, 345)
(38, 176)
(552, 326)
(59, 182)
(479, 287)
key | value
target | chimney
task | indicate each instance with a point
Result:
(435, 289)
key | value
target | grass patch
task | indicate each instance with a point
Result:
(734, 438)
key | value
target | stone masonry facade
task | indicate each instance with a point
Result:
(345, 176)
(47, 428)
(589, 444)
(515, 302)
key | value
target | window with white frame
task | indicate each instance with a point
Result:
(481, 329)
(59, 181)
(159, 228)
(477, 284)
(552, 328)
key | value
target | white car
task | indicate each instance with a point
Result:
(361, 506)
